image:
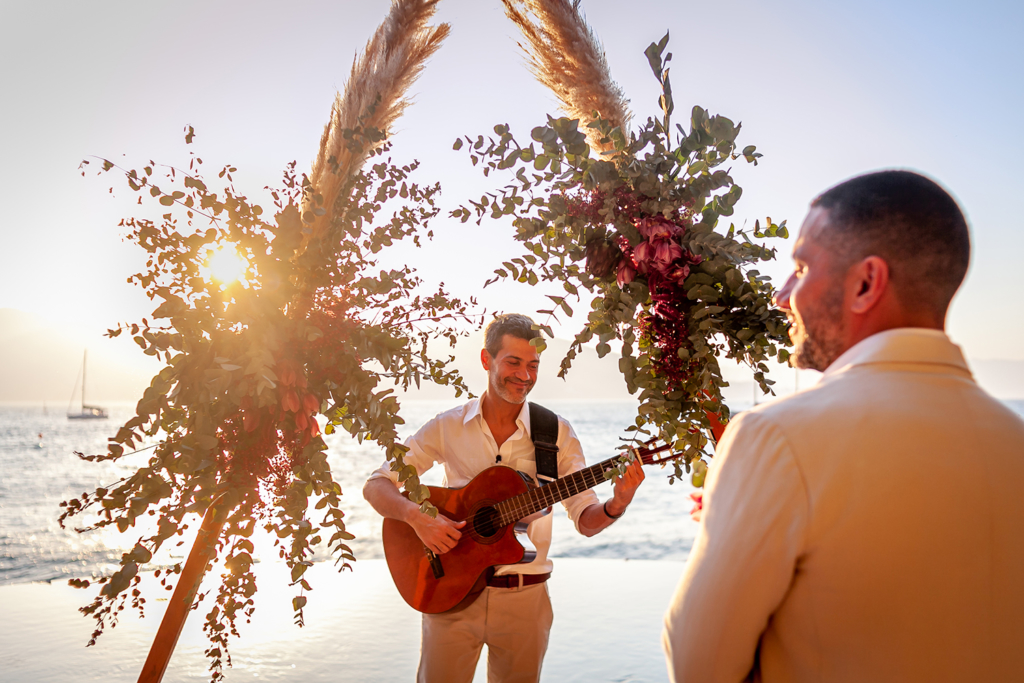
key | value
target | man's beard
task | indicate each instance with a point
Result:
(503, 391)
(819, 339)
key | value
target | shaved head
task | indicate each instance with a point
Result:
(909, 221)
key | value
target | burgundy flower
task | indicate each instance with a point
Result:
(626, 273)
(698, 505)
(678, 272)
(666, 251)
(643, 254)
(658, 228)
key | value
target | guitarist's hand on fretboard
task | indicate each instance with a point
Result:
(625, 487)
(438, 535)
(598, 517)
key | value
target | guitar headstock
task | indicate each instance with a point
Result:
(650, 454)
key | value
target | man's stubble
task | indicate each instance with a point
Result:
(819, 332)
(503, 391)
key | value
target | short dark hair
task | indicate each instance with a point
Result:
(909, 221)
(515, 324)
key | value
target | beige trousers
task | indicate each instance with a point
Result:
(513, 622)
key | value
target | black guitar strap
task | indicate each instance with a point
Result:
(544, 432)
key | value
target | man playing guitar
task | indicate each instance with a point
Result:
(513, 613)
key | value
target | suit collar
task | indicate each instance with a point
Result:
(902, 345)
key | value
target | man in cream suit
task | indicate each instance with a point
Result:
(870, 528)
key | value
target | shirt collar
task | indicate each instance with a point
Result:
(901, 345)
(473, 411)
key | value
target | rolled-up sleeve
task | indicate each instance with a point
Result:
(425, 449)
(753, 530)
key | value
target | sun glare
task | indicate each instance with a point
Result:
(224, 264)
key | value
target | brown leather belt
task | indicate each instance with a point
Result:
(513, 580)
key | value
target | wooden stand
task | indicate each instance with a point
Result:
(180, 603)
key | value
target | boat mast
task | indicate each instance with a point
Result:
(84, 354)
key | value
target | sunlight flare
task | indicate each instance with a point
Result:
(225, 265)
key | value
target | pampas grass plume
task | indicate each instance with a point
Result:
(565, 55)
(374, 96)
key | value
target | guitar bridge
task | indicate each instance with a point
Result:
(435, 564)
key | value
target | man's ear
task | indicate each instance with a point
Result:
(870, 282)
(485, 359)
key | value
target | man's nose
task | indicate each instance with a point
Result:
(524, 373)
(781, 299)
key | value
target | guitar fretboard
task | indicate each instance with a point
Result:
(534, 500)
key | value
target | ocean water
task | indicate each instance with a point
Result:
(38, 470)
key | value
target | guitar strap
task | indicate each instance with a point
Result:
(544, 432)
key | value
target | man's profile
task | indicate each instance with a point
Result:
(512, 615)
(867, 528)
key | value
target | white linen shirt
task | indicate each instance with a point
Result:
(870, 528)
(461, 442)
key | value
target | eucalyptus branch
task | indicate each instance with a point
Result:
(132, 175)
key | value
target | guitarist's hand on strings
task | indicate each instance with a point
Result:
(439, 535)
(598, 517)
(625, 487)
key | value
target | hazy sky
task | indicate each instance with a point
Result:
(826, 90)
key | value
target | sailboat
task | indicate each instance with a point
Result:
(88, 412)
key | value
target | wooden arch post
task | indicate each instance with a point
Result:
(178, 607)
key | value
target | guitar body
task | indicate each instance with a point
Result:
(434, 584)
(483, 544)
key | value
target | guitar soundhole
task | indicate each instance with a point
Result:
(486, 525)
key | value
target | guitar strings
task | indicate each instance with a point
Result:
(533, 500)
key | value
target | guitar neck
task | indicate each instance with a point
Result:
(535, 500)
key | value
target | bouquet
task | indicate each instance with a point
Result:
(308, 327)
(634, 217)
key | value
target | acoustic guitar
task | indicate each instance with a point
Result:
(492, 505)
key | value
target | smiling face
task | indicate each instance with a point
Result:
(512, 372)
(813, 297)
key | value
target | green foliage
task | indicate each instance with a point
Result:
(313, 327)
(593, 222)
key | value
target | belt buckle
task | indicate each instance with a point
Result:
(512, 582)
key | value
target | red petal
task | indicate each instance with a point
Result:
(290, 401)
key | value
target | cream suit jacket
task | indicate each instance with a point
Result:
(868, 529)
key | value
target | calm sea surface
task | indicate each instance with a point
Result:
(38, 472)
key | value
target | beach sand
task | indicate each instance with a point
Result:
(608, 616)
